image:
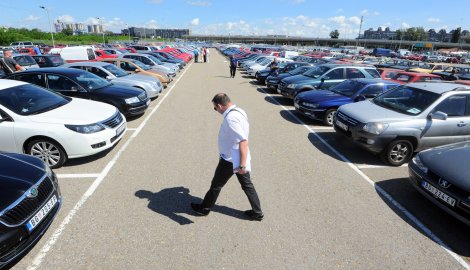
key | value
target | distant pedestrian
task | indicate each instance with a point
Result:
(196, 55)
(274, 67)
(207, 54)
(234, 158)
(37, 51)
(204, 54)
(233, 66)
(9, 64)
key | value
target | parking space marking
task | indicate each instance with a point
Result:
(131, 129)
(79, 175)
(379, 166)
(55, 236)
(323, 128)
(382, 192)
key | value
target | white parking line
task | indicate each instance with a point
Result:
(131, 129)
(79, 175)
(379, 166)
(55, 236)
(382, 192)
(322, 128)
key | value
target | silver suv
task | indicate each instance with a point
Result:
(408, 119)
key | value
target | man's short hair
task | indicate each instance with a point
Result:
(221, 99)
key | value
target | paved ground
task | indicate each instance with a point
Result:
(129, 208)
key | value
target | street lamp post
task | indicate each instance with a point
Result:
(50, 25)
(128, 32)
(102, 30)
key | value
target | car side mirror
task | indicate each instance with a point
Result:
(137, 70)
(438, 115)
(108, 78)
(360, 98)
(324, 78)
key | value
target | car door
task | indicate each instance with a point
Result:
(7, 131)
(333, 77)
(65, 86)
(455, 128)
(33, 78)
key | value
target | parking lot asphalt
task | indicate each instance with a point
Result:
(129, 208)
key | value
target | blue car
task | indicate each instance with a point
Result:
(322, 104)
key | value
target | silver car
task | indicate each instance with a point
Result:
(110, 72)
(151, 61)
(408, 119)
(25, 61)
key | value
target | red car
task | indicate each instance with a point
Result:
(176, 53)
(405, 77)
(105, 54)
(388, 73)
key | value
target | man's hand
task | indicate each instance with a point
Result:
(241, 171)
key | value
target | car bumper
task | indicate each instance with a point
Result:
(271, 85)
(316, 114)
(136, 109)
(287, 92)
(461, 209)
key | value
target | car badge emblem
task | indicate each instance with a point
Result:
(32, 193)
(444, 183)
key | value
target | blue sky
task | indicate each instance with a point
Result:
(312, 18)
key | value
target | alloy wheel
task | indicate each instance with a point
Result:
(46, 151)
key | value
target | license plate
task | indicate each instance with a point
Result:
(120, 129)
(438, 194)
(148, 102)
(296, 105)
(341, 125)
(41, 214)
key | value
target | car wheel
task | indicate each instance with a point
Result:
(397, 152)
(49, 151)
(329, 116)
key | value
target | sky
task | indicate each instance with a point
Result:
(309, 18)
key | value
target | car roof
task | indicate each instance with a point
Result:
(410, 73)
(5, 83)
(59, 70)
(45, 55)
(87, 64)
(439, 87)
(374, 81)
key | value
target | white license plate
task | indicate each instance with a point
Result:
(148, 102)
(41, 214)
(120, 129)
(438, 194)
(341, 125)
(296, 106)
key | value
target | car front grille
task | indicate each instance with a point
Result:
(347, 119)
(114, 121)
(28, 206)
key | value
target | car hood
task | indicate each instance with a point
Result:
(297, 79)
(450, 162)
(140, 78)
(320, 96)
(117, 91)
(366, 111)
(73, 113)
(281, 76)
(18, 173)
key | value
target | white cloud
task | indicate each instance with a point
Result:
(32, 18)
(405, 25)
(366, 12)
(354, 20)
(199, 3)
(268, 21)
(151, 24)
(66, 19)
(195, 21)
(338, 19)
(434, 20)
(92, 20)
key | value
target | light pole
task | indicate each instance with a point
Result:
(100, 20)
(50, 25)
(128, 32)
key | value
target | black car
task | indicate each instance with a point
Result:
(29, 201)
(272, 81)
(283, 68)
(48, 60)
(442, 175)
(78, 83)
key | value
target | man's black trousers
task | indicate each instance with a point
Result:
(223, 172)
(232, 71)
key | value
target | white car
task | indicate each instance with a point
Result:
(260, 66)
(53, 127)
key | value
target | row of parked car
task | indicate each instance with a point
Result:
(59, 112)
(423, 119)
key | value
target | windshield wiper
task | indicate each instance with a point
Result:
(49, 108)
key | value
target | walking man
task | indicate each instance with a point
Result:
(233, 66)
(196, 55)
(234, 158)
(9, 64)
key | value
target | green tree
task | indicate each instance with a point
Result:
(415, 34)
(67, 31)
(456, 35)
(334, 34)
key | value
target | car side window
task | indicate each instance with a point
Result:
(37, 79)
(373, 90)
(336, 74)
(453, 106)
(354, 73)
(146, 61)
(57, 82)
(126, 66)
(98, 72)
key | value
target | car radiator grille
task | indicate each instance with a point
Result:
(351, 121)
(27, 207)
(282, 84)
(114, 121)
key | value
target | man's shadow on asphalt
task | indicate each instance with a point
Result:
(172, 202)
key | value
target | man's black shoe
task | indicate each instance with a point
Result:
(199, 210)
(254, 216)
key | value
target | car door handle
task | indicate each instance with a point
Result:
(461, 124)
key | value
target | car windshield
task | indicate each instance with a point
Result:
(348, 88)
(141, 65)
(89, 80)
(115, 71)
(30, 99)
(299, 70)
(406, 100)
(56, 60)
(316, 72)
(154, 59)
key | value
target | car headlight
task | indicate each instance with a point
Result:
(132, 100)
(310, 105)
(375, 128)
(417, 161)
(86, 129)
(291, 86)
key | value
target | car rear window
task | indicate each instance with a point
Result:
(373, 72)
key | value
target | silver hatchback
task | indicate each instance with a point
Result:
(408, 119)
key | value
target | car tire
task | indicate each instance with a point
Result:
(397, 152)
(329, 116)
(49, 151)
